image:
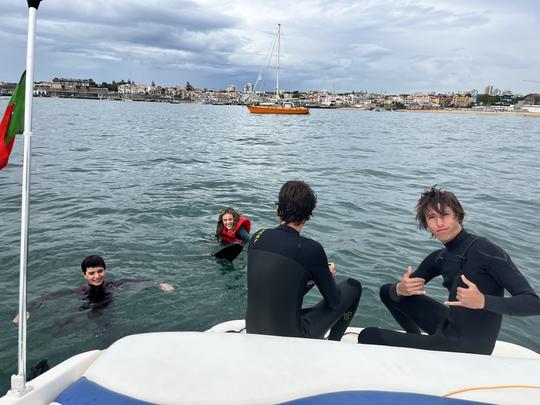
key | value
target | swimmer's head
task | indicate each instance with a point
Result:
(296, 202)
(94, 270)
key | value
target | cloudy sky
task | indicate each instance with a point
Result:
(337, 45)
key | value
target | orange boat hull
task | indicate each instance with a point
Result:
(277, 109)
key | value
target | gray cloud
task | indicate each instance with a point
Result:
(389, 45)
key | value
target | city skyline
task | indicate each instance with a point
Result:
(377, 46)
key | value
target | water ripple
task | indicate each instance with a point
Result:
(142, 183)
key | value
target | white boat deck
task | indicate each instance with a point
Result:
(236, 368)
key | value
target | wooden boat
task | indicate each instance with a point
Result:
(277, 109)
(279, 106)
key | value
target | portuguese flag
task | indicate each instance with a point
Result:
(12, 121)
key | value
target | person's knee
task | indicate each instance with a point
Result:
(369, 336)
(353, 289)
(355, 283)
(384, 293)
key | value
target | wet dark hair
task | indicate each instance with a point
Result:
(296, 202)
(92, 261)
(220, 226)
(437, 199)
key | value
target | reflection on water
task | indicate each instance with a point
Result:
(142, 184)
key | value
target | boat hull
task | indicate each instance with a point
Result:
(237, 368)
(277, 109)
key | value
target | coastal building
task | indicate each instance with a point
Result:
(530, 103)
(70, 84)
(132, 88)
(462, 100)
(6, 89)
(421, 99)
(434, 100)
(532, 99)
(488, 90)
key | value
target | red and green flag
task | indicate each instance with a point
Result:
(12, 122)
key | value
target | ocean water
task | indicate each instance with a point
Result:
(142, 183)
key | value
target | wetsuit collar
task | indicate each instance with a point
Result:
(97, 288)
(287, 228)
(460, 237)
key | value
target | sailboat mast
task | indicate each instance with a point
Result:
(277, 66)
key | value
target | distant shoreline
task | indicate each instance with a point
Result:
(439, 111)
(481, 112)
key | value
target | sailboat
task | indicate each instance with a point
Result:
(279, 106)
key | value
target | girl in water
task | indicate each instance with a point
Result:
(231, 227)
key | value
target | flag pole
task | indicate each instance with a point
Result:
(18, 382)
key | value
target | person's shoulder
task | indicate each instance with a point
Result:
(434, 255)
(82, 288)
(261, 232)
(308, 242)
(486, 247)
(258, 235)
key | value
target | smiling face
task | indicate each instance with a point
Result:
(95, 276)
(228, 221)
(444, 225)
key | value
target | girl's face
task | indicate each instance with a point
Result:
(228, 221)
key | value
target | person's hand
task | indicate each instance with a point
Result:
(16, 319)
(410, 285)
(332, 268)
(468, 297)
(166, 287)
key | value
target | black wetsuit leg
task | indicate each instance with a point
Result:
(414, 314)
(386, 337)
(319, 318)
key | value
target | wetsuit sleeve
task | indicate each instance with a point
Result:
(524, 301)
(243, 234)
(323, 278)
(427, 270)
(127, 281)
(39, 302)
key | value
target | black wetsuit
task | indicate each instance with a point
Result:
(282, 266)
(94, 298)
(97, 298)
(457, 328)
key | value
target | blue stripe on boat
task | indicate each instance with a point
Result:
(86, 392)
(378, 398)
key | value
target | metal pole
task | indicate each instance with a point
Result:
(277, 68)
(18, 382)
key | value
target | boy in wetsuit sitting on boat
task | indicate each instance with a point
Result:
(476, 273)
(283, 266)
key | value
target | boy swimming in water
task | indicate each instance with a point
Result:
(97, 293)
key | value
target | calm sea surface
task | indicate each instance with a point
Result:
(142, 184)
